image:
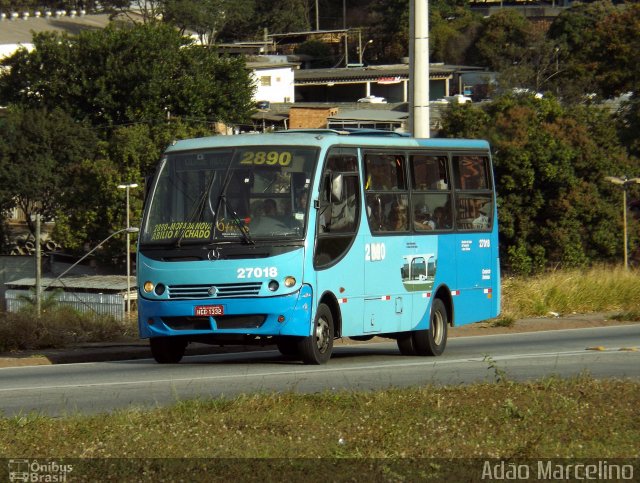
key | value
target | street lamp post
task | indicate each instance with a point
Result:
(625, 183)
(123, 230)
(127, 187)
(361, 49)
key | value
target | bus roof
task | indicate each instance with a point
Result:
(324, 138)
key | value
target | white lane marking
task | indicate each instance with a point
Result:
(322, 370)
(516, 334)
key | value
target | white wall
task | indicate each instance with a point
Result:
(6, 50)
(281, 80)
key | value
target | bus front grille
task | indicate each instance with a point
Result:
(218, 290)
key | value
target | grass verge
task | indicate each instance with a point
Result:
(598, 289)
(552, 418)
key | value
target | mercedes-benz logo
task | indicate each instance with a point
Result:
(213, 254)
(212, 290)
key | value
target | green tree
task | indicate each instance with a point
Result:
(149, 11)
(578, 37)
(208, 18)
(628, 121)
(281, 16)
(38, 149)
(140, 88)
(118, 76)
(389, 20)
(93, 207)
(453, 29)
(518, 49)
(321, 54)
(618, 61)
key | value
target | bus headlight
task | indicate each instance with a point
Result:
(160, 288)
(148, 287)
(289, 281)
(273, 285)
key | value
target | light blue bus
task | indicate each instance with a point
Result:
(297, 238)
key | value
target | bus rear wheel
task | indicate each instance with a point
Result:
(405, 344)
(167, 350)
(432, 341)
(317, 348)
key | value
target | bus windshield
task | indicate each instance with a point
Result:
(240, 195)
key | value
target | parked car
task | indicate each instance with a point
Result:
(373, 100)
(455, 99)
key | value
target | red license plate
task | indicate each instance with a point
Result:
(209, 310)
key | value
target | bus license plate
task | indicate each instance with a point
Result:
(209, 310)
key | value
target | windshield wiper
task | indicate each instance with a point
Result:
(197, 210)
(242, 226)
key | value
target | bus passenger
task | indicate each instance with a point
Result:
(422, 219)
(441, 218)
(398, 220)
(269, 207)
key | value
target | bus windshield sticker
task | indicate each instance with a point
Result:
(190, 230)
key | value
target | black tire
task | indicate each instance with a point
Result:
(405, 344)
(317, 348)
(288, 346)
(167, 350)
(431, 342)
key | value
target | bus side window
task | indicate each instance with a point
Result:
(472, 172)
(386, 192)
(474, 197)
(429, 173)
(431, 199)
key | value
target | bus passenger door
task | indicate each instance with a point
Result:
(337, 256)
(387, 303)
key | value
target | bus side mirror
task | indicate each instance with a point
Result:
(337, 186)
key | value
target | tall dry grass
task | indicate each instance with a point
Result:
(597, 289)
(59, 327)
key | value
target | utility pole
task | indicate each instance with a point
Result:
(38, 267)
(624, 182)
(127, 187)
(419, 68)
(346, 33)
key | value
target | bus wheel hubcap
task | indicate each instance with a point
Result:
(438, 328)
(322, 335)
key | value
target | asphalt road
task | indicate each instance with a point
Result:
(104, 386)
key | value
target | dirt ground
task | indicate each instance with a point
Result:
(139, 349)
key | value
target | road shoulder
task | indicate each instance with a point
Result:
(139, 349)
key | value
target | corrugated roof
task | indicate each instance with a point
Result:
(21, 31)
(88, 283)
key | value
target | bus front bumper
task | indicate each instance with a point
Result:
(261, 317)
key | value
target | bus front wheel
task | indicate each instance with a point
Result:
(288, 346)
(167, 350)
(432, 341)
(317, 348)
